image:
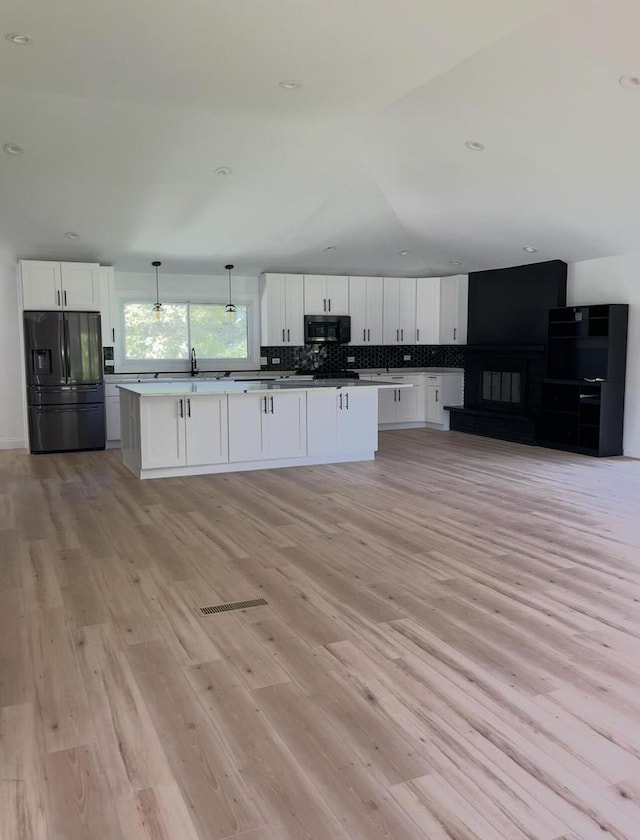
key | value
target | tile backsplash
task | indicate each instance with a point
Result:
(378, 356)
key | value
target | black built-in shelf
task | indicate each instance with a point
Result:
(583, 392)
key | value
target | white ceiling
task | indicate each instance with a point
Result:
(126, 107)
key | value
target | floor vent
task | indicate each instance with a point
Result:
(237, 605)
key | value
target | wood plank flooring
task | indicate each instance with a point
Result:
(450, 649)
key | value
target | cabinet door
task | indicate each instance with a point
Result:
(454, 292)
(112, 417)
(162, 432)
(315, 294)
(428, 310)
(207, 437)
(374, 310)
(338, 295)
(322, 422)
(40, 284)
(246, 427)
(294, 309)
(411, 406)
(391, 310)
(272, 310)
(80, 286)
(387, 405)
(407, 310)
(357, 420)
(286, 422)
(358, 309)
(435, 414)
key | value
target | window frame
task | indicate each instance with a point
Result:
(251, 362)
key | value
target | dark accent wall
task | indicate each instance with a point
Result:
(511, 305)
(378, 356)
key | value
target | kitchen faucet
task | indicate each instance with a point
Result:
(194, 362)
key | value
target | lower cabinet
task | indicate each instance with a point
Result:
(112, 417)
(272, 426)
(183, 431)
(342, 421)
(441, 391)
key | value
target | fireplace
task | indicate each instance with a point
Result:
(502, 387)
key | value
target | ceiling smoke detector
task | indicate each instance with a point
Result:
(329, 249)
(474, 145)
(455, 262)
(403, 253)
(12, 149)
(530, 249)
(223, 171)
(71, 234)
(629, 81)
(18, 38)
(290, 84)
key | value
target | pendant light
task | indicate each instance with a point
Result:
(230, 308)
(157, 306)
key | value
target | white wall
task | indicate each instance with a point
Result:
(616, 280)
(11, 361)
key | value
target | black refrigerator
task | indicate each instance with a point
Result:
(65, 392)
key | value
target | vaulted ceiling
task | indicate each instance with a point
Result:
(126, 108)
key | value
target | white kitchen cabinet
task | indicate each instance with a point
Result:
(163, 432)
(454, 304)
(428, 310)
(441, 390)
(365, 308)
(399, 310)
(402, 405)
(112, 418)
(183, 431)
(206, 429)
(54, 285)
(282, 309)
(341, 421)
(326, 294)
(271, 426)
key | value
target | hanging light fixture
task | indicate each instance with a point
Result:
(157, 306)
(230, 308)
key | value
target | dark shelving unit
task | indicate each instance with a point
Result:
(583, 392)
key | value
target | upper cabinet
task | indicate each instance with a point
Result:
(428, 310)
(55, 285)
(454, 305)
(399, 310)
(365, 308)
(282, 309)
(326, 295)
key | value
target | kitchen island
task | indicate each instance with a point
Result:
(195, 428)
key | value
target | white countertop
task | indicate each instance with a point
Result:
(239, 376)
(178, 389)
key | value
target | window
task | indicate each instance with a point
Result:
(169, 338)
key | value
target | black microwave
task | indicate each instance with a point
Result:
(327, 329)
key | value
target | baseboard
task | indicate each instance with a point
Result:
(12, 443)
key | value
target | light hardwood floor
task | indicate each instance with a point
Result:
(451, 648)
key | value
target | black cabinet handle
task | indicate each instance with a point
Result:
(65, 297)
(324, 304)
(271, 398)
(188, 406)
(346, 396)
(364, 335)
(455, 333)
(401, 335)
(436, 395)
(417, 335)
(368, 335)
(113, 334)
(58, 296)
(181, 408)
(329, 304)
(340, 402)
(283, 336)
(288, 335)
(397, 335)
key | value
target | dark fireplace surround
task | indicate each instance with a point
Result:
(506, 356)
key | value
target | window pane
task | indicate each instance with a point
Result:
(214, 335)
(148, 337)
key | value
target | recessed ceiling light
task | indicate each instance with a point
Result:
(530, 249)
(223, 171)
(403, 253)
(455, 262)
(18, 38)
(474, 145)
(328, 249)
(290, 84)
(12, 149)
(71, 234)
(629, 81)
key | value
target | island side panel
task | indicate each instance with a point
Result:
(130, 431)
